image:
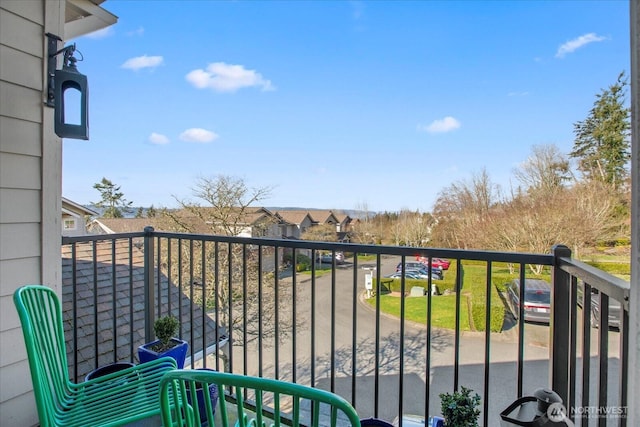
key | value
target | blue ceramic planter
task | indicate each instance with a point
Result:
(178, 352)
(212, 395)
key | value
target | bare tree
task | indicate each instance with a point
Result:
(321, 233)
(234, 281)
(545, 171)
(463, 211)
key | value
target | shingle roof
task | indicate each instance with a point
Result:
(189, 221)
(118, 287)
(321, 216)
(121, 225)
(294, 216)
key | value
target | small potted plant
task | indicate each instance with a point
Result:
(460, 409)
(166, 343)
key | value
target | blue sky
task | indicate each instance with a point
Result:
(336, 104)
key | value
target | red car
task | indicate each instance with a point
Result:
(435, 262)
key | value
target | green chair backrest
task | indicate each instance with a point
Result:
(271, 401)
(41, 318)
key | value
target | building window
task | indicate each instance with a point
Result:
(69, 224)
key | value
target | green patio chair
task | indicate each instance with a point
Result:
(246, 401)
(111, 400)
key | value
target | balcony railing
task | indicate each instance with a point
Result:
(244, 308)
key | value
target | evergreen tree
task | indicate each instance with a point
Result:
(113, 201)
(602, 140)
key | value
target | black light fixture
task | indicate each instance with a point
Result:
(62, 84)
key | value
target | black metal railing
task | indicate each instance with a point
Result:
(245, 308)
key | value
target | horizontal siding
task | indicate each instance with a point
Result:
(25, 270)
(20, 172)
(20, 402)
(20, 102)
(15, 411)
(20, 68)
(12, 349)
(24, 206)
(29, 10)
(21, 33)
(19, 241)
(20, 137)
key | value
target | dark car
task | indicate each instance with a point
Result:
(326, 258)
(615, 308)
(410, 265)
(435, 275)
(537, 300)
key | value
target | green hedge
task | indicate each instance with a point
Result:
(478, 312)
(303, 263)
(395, 285)
(612, 267)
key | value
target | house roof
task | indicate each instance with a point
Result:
(119, 225)
(294, 216)
(185, 220)
(83, 17)
(115, 289)
(73, 207)
(342, 217)
(323, 216)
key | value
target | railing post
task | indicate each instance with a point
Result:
(633, 327)
(559, 327)
(149, 279)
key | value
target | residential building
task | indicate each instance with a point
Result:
(74, 218)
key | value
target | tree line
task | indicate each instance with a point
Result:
(579, 199)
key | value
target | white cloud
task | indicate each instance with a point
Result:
(101, 34)
(572, 45)
(357, 8)
(441, 126)
(518, 94)
(158, 138)
(137, 32)
(143, 61)
(222, 77)
(198, 135)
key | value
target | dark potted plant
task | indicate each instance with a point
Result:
(166, 344)
(460, 409)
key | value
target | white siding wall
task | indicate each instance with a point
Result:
(30, 184)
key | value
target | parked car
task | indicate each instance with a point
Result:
(328, 259)
(615, 308)
(435, 262)
(537, 300)
(435, 274)
(410, 265)
(407, 275)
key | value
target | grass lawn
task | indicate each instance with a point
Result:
(443, 309)
(472, 301)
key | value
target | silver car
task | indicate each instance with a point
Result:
(537, 300)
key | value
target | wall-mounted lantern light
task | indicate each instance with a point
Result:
(64, 86)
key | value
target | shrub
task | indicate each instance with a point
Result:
(395, 285)
(303, 263)
(478, 312)
(166, 328)
(613, 267)
(460, 409)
